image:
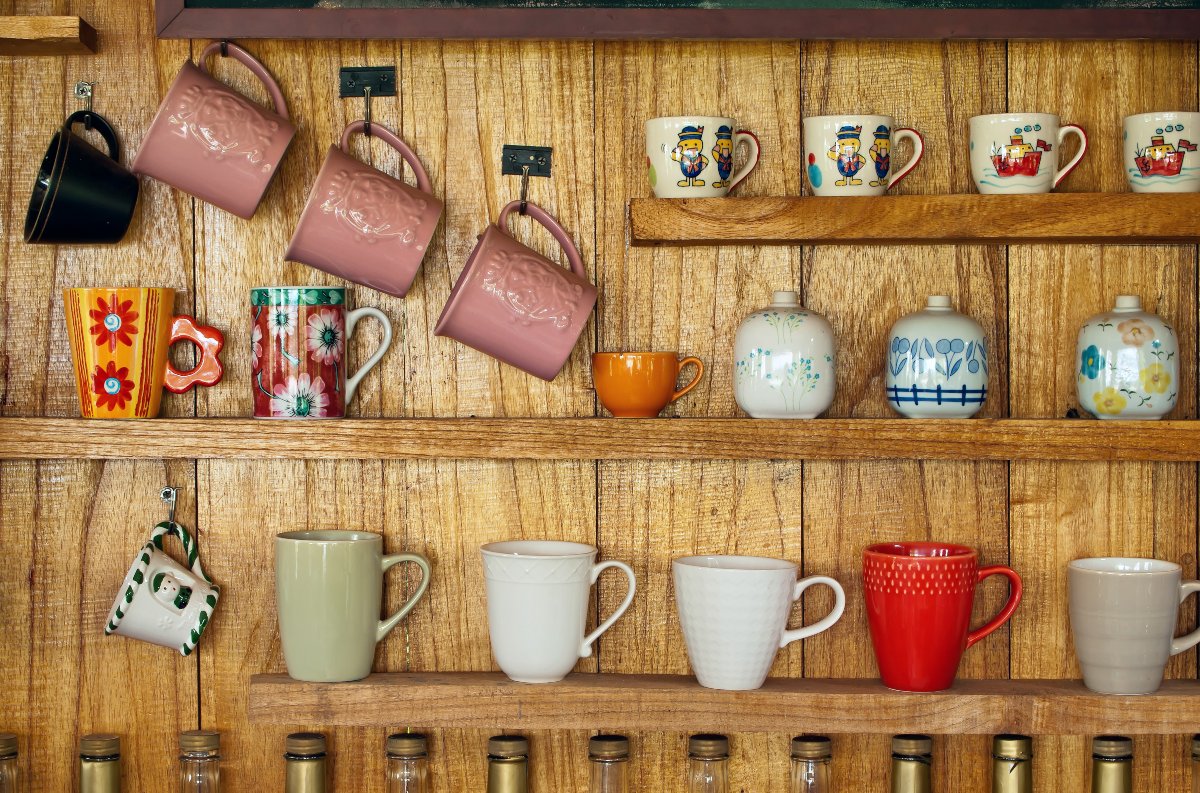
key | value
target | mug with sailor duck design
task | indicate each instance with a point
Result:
(851, 155)
(1019, 152)
(692, 156)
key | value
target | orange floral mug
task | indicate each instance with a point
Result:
(119, 343)
(640, 384)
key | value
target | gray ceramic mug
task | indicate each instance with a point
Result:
(329, 592)
(1123, 614)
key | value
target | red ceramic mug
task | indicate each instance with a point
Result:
(919, 597)
(364, 225)
(210, 141)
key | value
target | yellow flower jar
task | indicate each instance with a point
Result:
(1127, 363)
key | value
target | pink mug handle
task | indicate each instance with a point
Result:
(392, 139)
(543, 217)
(251, 63)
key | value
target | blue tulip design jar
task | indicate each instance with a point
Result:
(937, 363)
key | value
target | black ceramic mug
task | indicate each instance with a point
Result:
(82, 195)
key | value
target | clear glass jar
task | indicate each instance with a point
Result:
(100, 764)
(609, 756)
(708, 764)
(1112, 764)
(912, 761)
(407, 763)
(199, 762)
(305, 756)
(8, 762)
(811, 755)
(508, 764)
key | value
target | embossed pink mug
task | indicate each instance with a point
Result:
(364, 225)
(210, 141)
(514, 304)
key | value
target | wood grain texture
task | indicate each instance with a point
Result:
(46, 35)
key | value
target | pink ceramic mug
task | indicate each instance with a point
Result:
(363, 225)
(516, 305)
(212, 142)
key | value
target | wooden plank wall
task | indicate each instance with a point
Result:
(68, 529)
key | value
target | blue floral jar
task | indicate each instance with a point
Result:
(937, 363)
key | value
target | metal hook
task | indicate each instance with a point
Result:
(524, 188)
(367, 119)
(168, 494)
(83, 90)
(224, 48)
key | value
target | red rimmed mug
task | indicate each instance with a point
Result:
(364, 225)
(919, 597)
(211, 142)
(514, 304)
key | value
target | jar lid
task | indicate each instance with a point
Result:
(938, 301)
(305, 744)
(608, 747)
(8, 744)
(1112, 747)
(1013, 747)
(812, 747)
(1129, 302)
(508, 746)
(785, 298)
(100, 745)
(912, 745)
(707, 746)
(199, 741)
(407, 744)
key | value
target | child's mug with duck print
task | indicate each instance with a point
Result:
(851, 154)
(692, 156)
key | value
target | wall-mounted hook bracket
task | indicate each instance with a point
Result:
(368, 82)
(525, 161)
(83, 92)
(168, 495)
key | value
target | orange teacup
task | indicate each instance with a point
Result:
(640, 384)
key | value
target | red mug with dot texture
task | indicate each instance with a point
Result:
(919, 597)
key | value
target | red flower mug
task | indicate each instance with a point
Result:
(210, 141)
(364, 225)
(919, 597)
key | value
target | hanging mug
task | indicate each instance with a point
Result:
(364, 225)
(514, 304)
(210, 141)
(161, 601)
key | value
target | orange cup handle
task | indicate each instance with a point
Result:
(699, 373)
(1014, 600)
(210, 341)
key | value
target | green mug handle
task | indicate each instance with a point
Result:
(385, 626)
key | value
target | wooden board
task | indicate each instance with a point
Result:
(46, 35)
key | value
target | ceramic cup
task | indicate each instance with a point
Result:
(81, 196)
(1160, 152)
(734, 612)
(919, 597)
(640, 384)
(1123, 614)
(298, 361)
(537, 599)
(329, 592)
(364, 225)
(119, 341)
(161, 601)
(210, 141)
(514, 304)
(851, 154)
(1019, 152)
(692, 156)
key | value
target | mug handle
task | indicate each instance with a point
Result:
(352, 318)
(918, 144)
(392, 139)
(699, 373)
(835, 614)
(1063, 132)
(168, 529)
(210, 341)
(1014, 599)
(543, 217)
(251, 63)
(1188, 640)
(751, 141)
(101, 125)
(385, 626)
(585, 649)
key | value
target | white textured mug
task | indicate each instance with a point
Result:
(851, 154)
(537, 598)
(692, 156)
(734, 612)
(1018, 152)
(1160, 152)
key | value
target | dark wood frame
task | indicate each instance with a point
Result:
(176, 21)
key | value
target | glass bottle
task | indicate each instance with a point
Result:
(912, 758)
(305, 756)
(708, 761)
(811, 755)
(100, 764)
(609, 756)
(508, 764)
(1012, 764)
(1196, 764)
(8, 762)
(1112, 764)
(199, 761)
(407, 764)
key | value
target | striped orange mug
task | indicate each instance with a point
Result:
(119, 343)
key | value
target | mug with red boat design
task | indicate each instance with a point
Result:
(1019, 152)
(1160, 152)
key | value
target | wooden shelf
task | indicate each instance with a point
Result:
(601, 439)
(1117, 218)
(38, 35)
(679, 704)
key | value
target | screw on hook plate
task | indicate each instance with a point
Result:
(83, 91)
(168, 496)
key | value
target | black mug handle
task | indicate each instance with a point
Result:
(98, 123)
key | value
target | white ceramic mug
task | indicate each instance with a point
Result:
(1160, 153)
(692, 156)
(1019, 152)
(537, 598)
(734, 612)
(851, 154)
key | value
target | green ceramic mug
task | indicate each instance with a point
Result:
(329, 592)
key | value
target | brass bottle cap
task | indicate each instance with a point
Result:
(812, 747)
(199, 741)
(912, 745)
(8, 744)
(1112, 747)
(100, 745)
(508, 746)
(708, 747)
(1196, 747)
(1013, 747)
(305, 744)
(608, 747)
(407, 744)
